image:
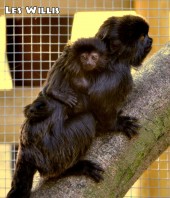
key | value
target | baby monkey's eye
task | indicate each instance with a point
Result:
(94, 56)
(83, 56)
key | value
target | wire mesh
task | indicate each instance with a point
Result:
(34, 41)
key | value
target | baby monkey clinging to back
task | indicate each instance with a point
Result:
(83, 60)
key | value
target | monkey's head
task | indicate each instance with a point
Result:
(89, 54)
(126, 38)
(89, 61)
(39, 109)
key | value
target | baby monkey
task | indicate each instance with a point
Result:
(83, 61)
(88, 62)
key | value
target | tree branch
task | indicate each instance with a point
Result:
(124, 160)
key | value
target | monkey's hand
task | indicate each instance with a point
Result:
(68, 98)
(128, 125)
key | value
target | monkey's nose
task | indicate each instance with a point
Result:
(150, 40)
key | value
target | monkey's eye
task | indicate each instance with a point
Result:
(40, 105)
(94, 57)
(83, 56)
(142, 37)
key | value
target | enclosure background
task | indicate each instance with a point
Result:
(33, 43)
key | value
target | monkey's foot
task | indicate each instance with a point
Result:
(128, 125)
(87, 168)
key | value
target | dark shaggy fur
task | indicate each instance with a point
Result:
(78, 76)
(126, 38)
(69, 80)
(50, 140)
(52, 146)
(55, 144)
(128, 44)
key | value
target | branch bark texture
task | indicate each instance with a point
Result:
(124, 160)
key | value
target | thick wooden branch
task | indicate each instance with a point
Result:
(124, 160)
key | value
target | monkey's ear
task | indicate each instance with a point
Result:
(107, 27)
(102, 32)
